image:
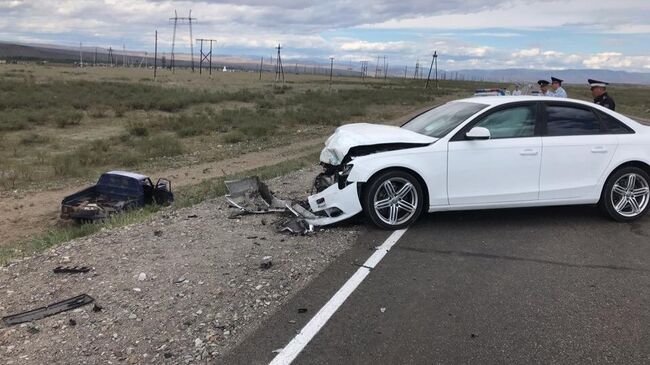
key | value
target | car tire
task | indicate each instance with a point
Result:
(626, 194)
(393, 199)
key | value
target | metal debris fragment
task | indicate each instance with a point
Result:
(50, 310)
(70, 269)
(250, 195)
(295, 225)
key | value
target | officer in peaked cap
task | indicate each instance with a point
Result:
(543, 87)
(599, 91)
(556, 88)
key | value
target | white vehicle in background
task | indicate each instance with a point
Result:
(485, 153)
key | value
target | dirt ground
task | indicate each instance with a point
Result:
(183, 287)
(30, 213)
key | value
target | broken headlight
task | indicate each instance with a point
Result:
(343, 175)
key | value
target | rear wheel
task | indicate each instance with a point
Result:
(393, 199)
(626, 194)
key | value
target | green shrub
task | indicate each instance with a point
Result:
(137, 128)
(34, 138)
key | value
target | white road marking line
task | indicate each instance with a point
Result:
(298, 343)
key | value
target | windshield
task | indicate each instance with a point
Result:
(439, 121)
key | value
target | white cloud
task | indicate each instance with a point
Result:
(532, 52)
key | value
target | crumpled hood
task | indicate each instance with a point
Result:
(365, 134)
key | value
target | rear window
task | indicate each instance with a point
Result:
(439, 121)
(613, 125)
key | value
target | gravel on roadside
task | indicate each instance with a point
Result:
(183, 287)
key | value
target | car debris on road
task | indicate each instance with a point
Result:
(70, 269)
(50, 310)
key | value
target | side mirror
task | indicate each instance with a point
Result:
(478, 133)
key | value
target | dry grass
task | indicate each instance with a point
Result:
(59, 124)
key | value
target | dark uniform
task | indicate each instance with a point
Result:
(604, 99)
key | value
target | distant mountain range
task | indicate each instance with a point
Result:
(571, 76)
(55, 53)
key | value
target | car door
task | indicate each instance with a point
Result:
(575, 151)
(504, 168)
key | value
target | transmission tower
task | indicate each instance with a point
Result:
(279, 70)
(180, 20)
(364, 69)
(110, 56)
(205, 56)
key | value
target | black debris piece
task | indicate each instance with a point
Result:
(72, 322)
(50, 310)
(192, 216)
(266, 263)
(157, 233)
(302, 310)
(70, 269)
(97, 308)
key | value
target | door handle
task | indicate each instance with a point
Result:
(528, 152)
(599, 149)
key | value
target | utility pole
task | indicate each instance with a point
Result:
(81, 56)
(417, 68)
(279, 70)
(405, 70)
(95, 60)
(123, 55)
(261, 66)
(176, 19)
(331, 70)
(155, 56)
(377, 67)
(110, 56)
(433, 58)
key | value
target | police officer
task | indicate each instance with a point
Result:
(543, 88)
(557, 89)
(516, 91)
(599, 91)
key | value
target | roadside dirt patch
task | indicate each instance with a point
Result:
(26, 214)
(183, 287)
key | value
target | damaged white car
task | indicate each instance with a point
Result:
(483, 153)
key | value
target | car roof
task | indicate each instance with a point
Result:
(132, 175)
(500, 100)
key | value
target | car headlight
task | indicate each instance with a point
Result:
(346, 170)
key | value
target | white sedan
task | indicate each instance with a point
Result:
(486, 153)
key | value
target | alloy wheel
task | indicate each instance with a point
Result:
(395, 201)
(630, 194)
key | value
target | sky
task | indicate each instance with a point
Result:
(469, 34)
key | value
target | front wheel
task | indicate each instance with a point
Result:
(626, 194)
(393, 200)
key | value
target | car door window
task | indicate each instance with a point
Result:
(514, 122)
(570, 121)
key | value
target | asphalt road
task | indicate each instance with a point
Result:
(521, 286)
